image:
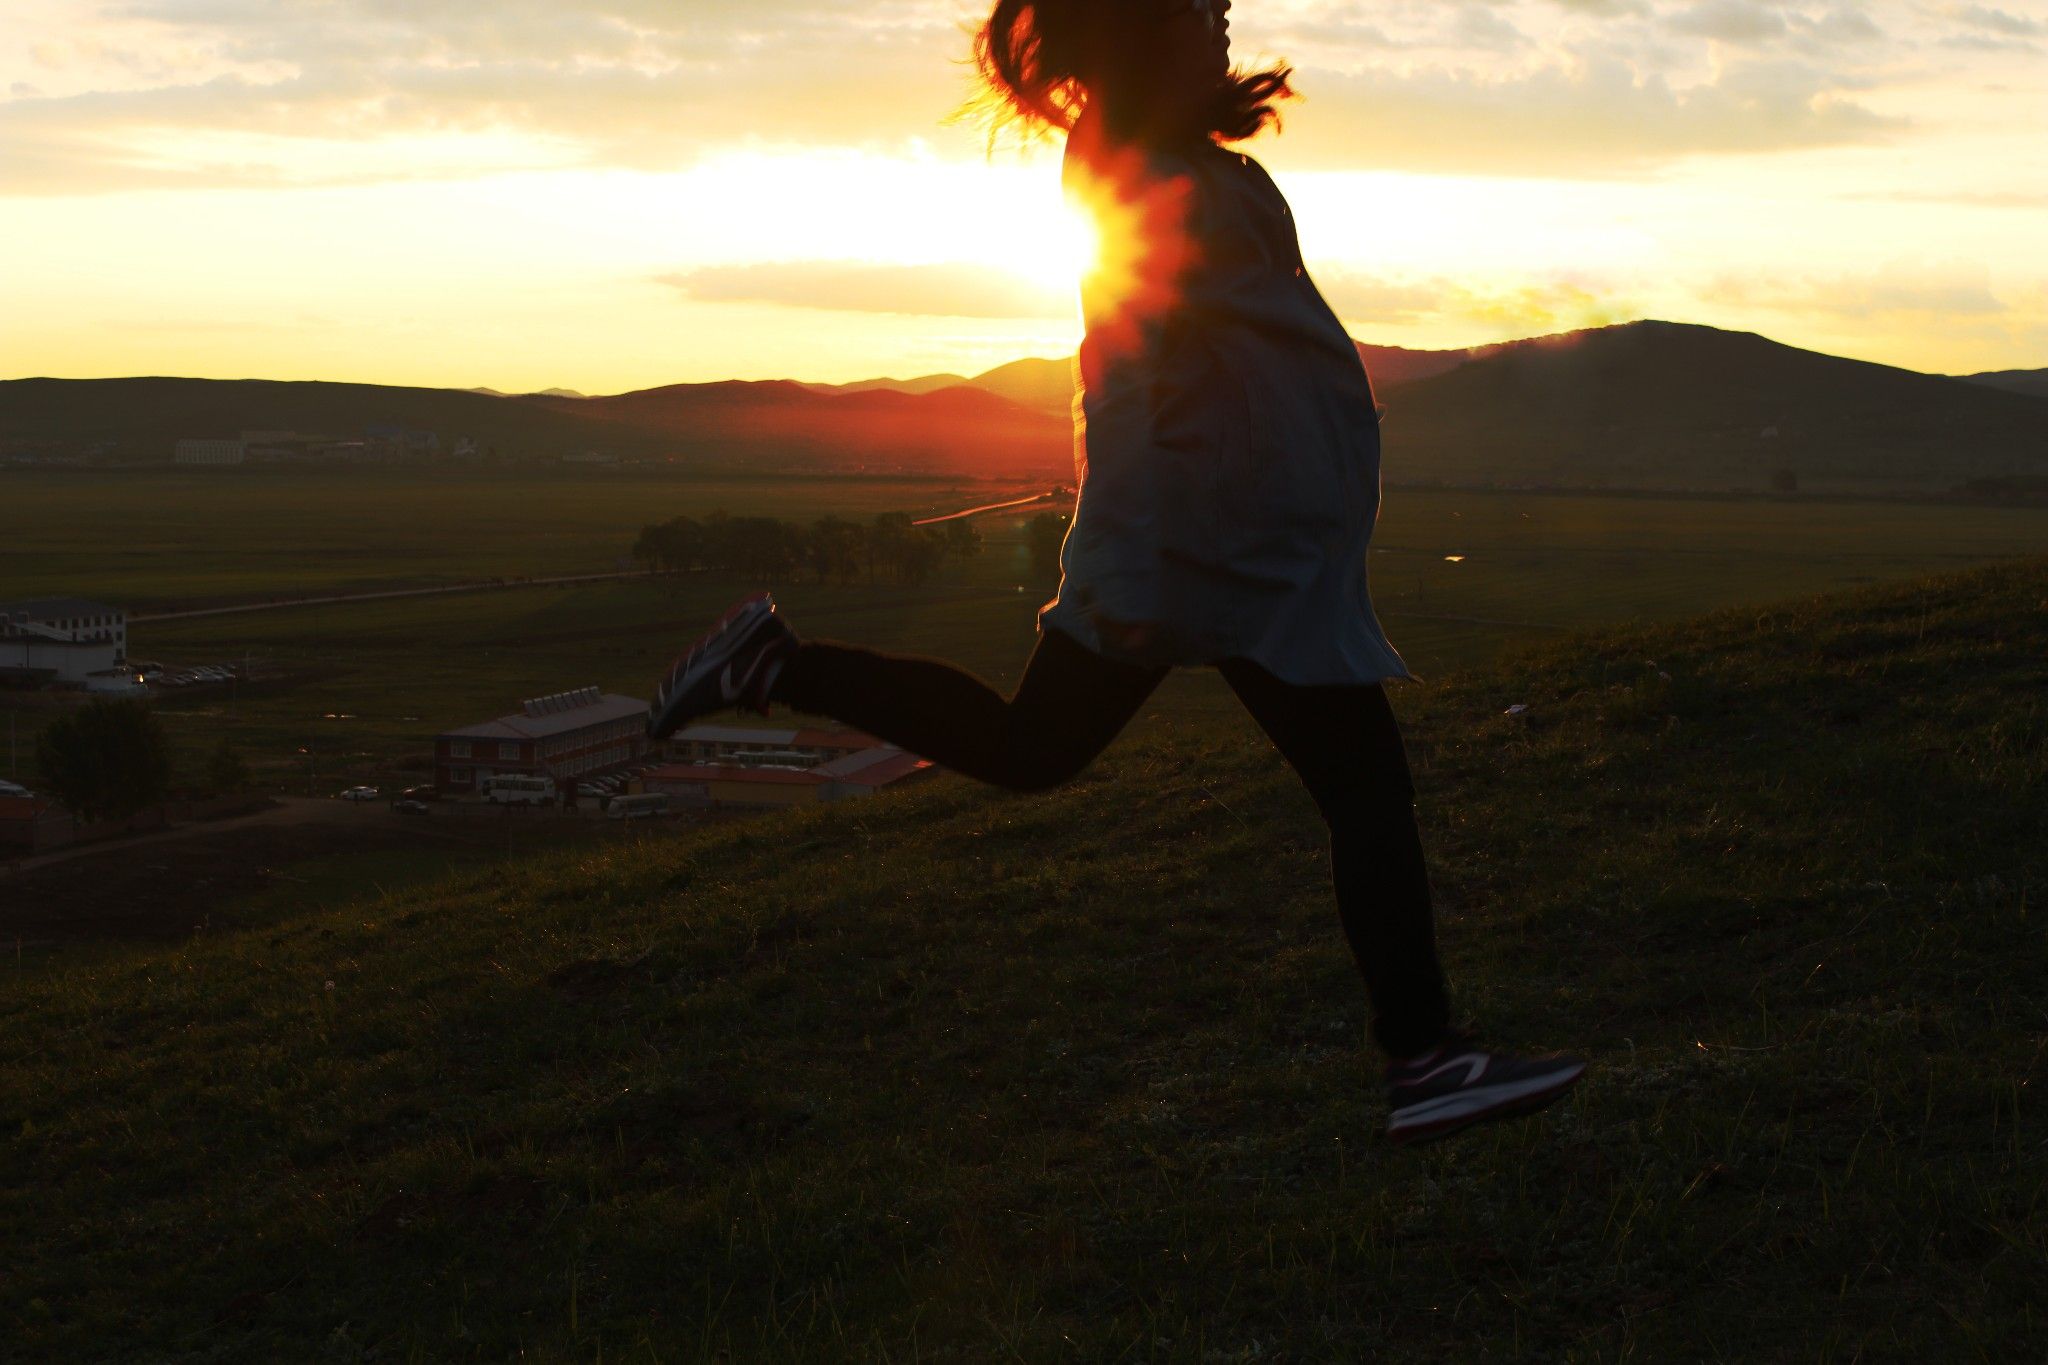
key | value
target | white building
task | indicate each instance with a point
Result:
(60, 639)
(209, 452)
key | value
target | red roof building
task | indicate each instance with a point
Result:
(566, 736)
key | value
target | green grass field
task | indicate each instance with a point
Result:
(155, 540)
(1534, 567)
(1082, 1075)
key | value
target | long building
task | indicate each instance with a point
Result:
(60, 640)
(567, 736)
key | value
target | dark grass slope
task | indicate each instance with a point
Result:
(1083, 1076)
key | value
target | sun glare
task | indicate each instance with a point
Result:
(895, 211)
(1055, 248)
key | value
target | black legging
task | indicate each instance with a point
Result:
(1072, 702)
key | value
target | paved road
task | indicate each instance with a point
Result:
(990, 507)
(388, 594)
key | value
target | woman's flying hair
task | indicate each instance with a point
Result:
(1044, 62)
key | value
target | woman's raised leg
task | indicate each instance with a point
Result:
(1069, 705)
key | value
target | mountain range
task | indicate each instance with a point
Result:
(2018, 381)
(1640, 405)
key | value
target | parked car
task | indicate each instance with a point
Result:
(360, 794)
(14, 789)
(409, 806)
(425, 792)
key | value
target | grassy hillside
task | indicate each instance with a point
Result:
(1083, 1075)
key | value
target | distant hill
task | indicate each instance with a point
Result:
(145, 418)
(1643, 405)
(2033, 382)
(1391, 367)
(780, 423)
(1665, 405)
(768, 426)
(929, 383)
(1662, 404)
(1048, 385)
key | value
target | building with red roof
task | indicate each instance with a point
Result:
(567, 736)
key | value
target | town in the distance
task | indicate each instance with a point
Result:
(577, 753)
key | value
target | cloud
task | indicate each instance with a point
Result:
(1897, 293)
(125, 93)
(1994, 21)
(629, 83)
(1365, 301)
(1732, 21)
(1985, 199)
(1595, 119)
(941, 290)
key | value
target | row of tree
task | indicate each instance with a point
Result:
(830, 549)
(109, 760)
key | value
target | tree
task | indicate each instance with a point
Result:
(961, 537)
(647, 549)
(923, 551)
(1048, 530)
(671, 546)
(226, 773)
(888, 539)
(107, 760)
(835, 548)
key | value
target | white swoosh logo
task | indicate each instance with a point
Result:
(732, 689)
(1473, 1062)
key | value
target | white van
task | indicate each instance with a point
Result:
(639, 806)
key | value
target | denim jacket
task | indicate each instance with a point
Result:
(1226, 439)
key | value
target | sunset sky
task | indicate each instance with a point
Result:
(612, 194)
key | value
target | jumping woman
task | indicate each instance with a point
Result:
(1228, 450)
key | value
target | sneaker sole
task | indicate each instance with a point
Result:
(1444, 1116)
(665, 721)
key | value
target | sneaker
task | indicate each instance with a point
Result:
(732, 664)
(1457, 1084)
